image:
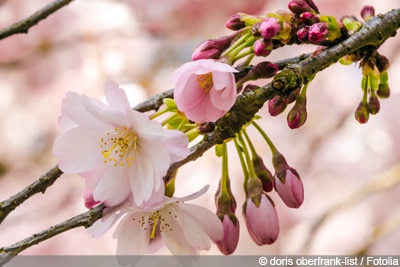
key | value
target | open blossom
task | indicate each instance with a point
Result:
(205, 89)
(184, 228)
(120, 152)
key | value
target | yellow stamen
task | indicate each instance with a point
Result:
(121, 141)
(205, 81)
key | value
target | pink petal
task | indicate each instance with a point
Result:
(116, 97)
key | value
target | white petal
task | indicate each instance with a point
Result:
(176, 142)
(132, 238)
(110, 216)
(113, 187)
(194, 231)
(174, 237)
(209, 221)
(78, 150)
(116, 97)
(147, 171)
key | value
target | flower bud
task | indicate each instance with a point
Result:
(262, 70)
(263, 173)
(301, 6)
(235, 22)
(367, 12)
(269, 27)
(230, 224)
(302, 34)
(297, 116)
(261, 220)
(212, 49)
(362, 114)
(287, 182)
(308, 18)
(383, 90)
(89, 200)
(277, 105)
(318, 32)
(382, 63)
(373, 104)
(262, 47)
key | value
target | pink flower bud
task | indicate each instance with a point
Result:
(229, 242)
(300, 6)
(277, 105)
(262, 47)
(290, 188)
(302, 34)
(297, 116)
(287, 182)
(362, 114)
(367, 12)
(262, 70)
(269, 27)
(318, 32)
(308, 18)
(261, 220)
(212, 49)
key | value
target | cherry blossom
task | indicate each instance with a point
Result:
(205, 89)
(184, 228)
(119, 151)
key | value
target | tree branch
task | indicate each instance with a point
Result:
(24, 25)
(85, 219)
(38, 186)
(374, 33)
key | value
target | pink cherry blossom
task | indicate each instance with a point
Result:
(184, 228)
(119, 151)
(205, 89)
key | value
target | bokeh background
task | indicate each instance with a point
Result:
(351, 172)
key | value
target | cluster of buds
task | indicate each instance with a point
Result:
(259, 211)
(374, 85)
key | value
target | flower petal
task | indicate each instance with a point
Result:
(208, 220)
(116, 97)
(78, 150)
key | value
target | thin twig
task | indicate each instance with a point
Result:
(24, 25)
(38, 186)
(85, 219)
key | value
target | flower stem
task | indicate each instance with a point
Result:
(242, 161)
(271, 145)
(225, 177)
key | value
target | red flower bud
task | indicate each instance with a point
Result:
(308, 18)
(212, 49)
(367, 12)
(235, 22)
(300, 6)
(362, 114)
(277, 105)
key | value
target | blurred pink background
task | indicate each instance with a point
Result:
(351, 172)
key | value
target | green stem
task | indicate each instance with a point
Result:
(225, 177)
(238, 42)
(246, 155)
(271, 145)
(242, 162)
(251, 146)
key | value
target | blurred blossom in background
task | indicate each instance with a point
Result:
(350, 171)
